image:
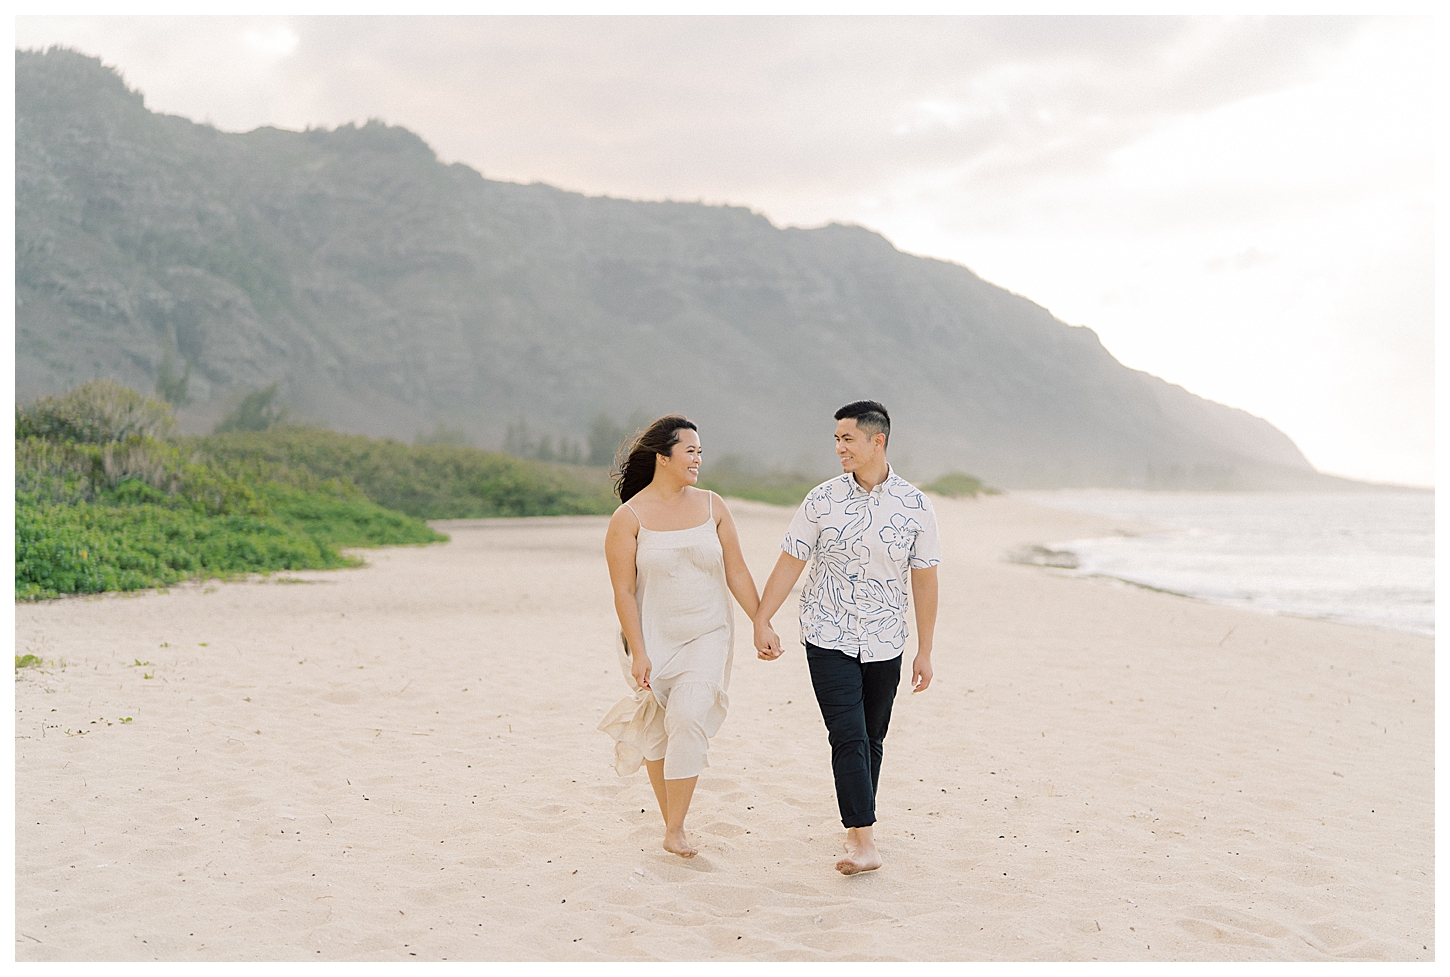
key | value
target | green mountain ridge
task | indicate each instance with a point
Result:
(387, 293)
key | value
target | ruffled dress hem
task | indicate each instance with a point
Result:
(637, 722)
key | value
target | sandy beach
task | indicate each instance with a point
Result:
(401, 762)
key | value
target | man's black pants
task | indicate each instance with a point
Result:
(855, 700)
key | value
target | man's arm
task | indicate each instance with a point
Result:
(787, 571)
(923, 595)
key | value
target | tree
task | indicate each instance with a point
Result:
(605, 438)
(98, 412)
(170, 387)
(517, 440)
(444, 434)
(256, 412)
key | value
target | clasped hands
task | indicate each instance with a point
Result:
(767, 642)
(767, 648)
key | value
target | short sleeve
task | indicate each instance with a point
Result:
(800, 538)
(926, 549)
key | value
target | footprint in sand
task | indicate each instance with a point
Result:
(1212, 933)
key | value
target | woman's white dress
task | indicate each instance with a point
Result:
(689, 630)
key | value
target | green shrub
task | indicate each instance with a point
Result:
(100, 507)
(88, 549)
(444, 434)
(256, 412)
(70, 472)
(427, 481)
(345, 519)
(57, 472)
(103, 503)
(732, 476)
(956, 484)
(95, 413)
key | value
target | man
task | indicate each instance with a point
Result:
(865, 529)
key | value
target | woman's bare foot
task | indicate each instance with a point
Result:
(677, 794)
(851, 844)
(677, 844)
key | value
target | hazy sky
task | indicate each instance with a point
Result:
(1244, 207)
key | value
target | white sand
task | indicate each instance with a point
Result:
(401, 760)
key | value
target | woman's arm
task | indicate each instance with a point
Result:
(620, 543)
(777, 588)
(737, 574)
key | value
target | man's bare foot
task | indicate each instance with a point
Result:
(677, 844)
(861, 854)
(860, 860)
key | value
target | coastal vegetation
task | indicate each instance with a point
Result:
(258, 411)
(107, 498)
(733, 477)
(424, 481)
(957, 484)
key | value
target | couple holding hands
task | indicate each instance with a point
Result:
(864, 532)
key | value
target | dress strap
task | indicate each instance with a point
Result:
(711, 497)
(637, 519)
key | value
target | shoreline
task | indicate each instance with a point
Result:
(405, 762)
(1272, 612)
(1202, 550)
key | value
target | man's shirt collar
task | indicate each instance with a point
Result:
(880, 488)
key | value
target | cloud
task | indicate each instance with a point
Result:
(272, 42)
(1250, 258)
(725, 107)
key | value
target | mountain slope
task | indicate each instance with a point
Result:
(387, 291)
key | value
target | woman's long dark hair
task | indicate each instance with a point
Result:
(634, 466)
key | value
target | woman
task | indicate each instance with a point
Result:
(673, 554)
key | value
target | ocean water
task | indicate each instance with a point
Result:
(1365, 558)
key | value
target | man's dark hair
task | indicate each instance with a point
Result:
(870, 417)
